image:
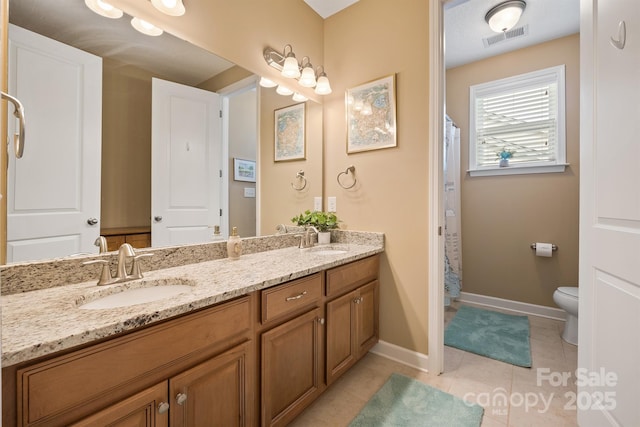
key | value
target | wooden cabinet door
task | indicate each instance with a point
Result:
(291, 367)
(213, 392)
(149, 408)
(352, 328)
(367, 318)
(341, 339)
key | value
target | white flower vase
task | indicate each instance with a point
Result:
(504, 163)
(324, 237)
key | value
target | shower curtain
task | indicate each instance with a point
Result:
(452, 226)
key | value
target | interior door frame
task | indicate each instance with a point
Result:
(435, 361)
(228, 92)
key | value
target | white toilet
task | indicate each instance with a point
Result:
(566, 297)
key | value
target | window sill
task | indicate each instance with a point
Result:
(518, 170)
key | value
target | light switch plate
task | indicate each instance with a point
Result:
(249, 192)
(331, 204)
(317, 203)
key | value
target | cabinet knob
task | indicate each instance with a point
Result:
(321, 320)
(181, 398)
(163, 407)
(357, 300)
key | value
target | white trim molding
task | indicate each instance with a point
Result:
(515, 306)
(402, 355)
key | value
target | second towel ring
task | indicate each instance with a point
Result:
(351, 169)
(300, 176)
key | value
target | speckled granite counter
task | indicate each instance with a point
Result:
(44, 321)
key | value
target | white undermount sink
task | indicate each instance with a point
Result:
(149, 291)
(327, 250)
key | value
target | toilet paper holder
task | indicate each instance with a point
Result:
(553, 247)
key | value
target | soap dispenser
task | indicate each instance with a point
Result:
(217, 236)
(234, 245)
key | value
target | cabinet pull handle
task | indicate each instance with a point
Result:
(296, 297)
(181, 398)
(163, 407)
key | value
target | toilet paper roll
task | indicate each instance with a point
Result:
(544, 249)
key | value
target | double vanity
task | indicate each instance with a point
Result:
(240, 342)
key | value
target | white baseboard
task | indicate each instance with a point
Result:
(401, 355)
(515, 306)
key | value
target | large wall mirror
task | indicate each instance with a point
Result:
(254, 200)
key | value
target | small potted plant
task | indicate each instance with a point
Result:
(324, 222)
(504, 157)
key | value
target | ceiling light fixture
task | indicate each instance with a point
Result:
(145, 27)
(104, 9)
(281, 90)
(299, 97)
(505, 15)
(286, 63)
(169, 7)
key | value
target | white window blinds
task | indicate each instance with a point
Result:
(522, 115)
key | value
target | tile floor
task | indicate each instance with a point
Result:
(510, 395)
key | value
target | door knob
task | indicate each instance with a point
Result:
(92, 221)
(157, 218)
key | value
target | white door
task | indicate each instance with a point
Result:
(609, 311)
(186, 164)
(53, 194)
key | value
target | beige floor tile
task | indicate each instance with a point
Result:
(502, 389)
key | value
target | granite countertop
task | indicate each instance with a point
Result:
(42, 322)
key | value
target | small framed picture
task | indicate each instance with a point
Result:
(371, 115)
(290, 133)
(244, 170)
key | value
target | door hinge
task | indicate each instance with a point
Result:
(439, 230)
(220, 113)
(220, 212)
(220, 173)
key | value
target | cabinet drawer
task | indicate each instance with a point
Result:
(82, 381)
(284, 299)
(349, 276)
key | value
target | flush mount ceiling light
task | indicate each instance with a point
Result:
(286, 63)
(145, 27)
(169, 7)
(505, 15)
(104, 9)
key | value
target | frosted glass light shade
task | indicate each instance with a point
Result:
(104, 9)
(308, 77)
(169, 7)
(145, 27)
(281, 90)
(323, 87)
(505, 15)
(298, 97)
(265, 82)
(290, 68)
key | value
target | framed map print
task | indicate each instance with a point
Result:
(371, 115)
(290, 133)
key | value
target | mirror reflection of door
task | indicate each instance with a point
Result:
(53, 204)
(186, 165)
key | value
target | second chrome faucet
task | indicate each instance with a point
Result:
(125, 252)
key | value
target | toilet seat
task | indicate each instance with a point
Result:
(571, 291)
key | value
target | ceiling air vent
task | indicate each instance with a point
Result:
(507, 35)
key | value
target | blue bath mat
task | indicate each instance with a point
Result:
(405, 402)
(500, 336)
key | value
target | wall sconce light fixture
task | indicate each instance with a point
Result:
(103, 9)
(286, 63)
(169, 7)
(505, 15)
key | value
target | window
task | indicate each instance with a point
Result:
(522, 116)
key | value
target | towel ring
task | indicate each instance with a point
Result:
(300, 176)
(351, 169)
